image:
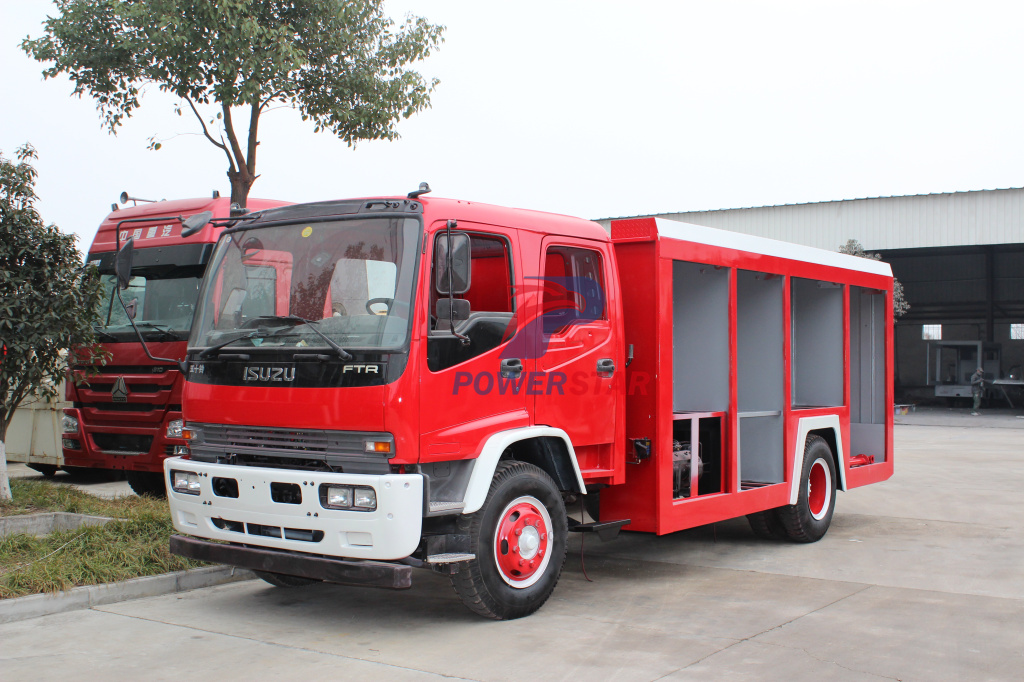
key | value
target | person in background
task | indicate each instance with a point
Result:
(977, 388)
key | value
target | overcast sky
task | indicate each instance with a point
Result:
(596, 109)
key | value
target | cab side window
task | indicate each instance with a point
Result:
(573, 288)
(490, 320)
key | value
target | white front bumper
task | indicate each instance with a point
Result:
(392, 531)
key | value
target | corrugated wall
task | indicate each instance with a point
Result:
(927, 220)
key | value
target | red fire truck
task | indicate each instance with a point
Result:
(431, 383)
(128, 417)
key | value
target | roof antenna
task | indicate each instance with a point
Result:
(424, 189)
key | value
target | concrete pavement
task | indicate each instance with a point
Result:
(919, 578)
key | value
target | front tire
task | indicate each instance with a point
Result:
(47, 470)
(147, 483)
(519, 538)
(809, 519)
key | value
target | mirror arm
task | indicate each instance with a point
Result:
(451, 297)
(182, 365)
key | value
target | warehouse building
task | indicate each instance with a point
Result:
(960, 258)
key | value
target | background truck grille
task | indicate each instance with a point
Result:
(122, 443)
(306, 449)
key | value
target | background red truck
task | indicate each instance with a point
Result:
(128, 416)
(432, 383)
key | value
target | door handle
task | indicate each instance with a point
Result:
(511, 368)
(606, 366)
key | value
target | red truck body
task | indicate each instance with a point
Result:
(668, 375)
(122, 413)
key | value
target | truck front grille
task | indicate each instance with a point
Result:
(304, 449)
(122, 443)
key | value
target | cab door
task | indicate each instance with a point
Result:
(578, 351)
(465, 397)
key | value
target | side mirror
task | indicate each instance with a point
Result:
(123, 264)
(457, 263)
(194, 223)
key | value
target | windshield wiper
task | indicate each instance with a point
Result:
(106, 336)
(165, 330)
(213, 349)
(312, 324)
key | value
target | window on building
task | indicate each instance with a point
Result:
(931, 332)
(1017, 331)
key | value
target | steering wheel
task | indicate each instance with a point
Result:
(374, 301)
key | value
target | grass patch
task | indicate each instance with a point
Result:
(133, 546)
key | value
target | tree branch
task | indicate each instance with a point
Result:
(270, 99)
(206, 132)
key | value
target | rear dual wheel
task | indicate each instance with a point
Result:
(519, 538)
(807, 520)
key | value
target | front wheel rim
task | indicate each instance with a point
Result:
(522, 542)
(819, 489)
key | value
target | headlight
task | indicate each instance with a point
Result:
(185, 482)
(69, 424)
(365, 498)
(339, 496)
(356, 498)
(174, 428)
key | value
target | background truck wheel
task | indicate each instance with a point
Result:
(809, 518)
(282, 580)
(147, 483)
(47, 470)
(767, 525)
(519, 538)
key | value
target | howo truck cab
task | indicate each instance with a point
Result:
(127, 415)
(384, 384)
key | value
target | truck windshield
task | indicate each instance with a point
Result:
(161, 300)
(288, 286)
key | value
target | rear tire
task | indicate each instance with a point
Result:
(147, 483)
(808, 520)
(282, 580)
(519, 538)
(767, 525)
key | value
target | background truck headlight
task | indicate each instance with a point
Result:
(68, 424)
(174, 428)
(185, 482)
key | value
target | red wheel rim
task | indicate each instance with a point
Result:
(819, 489)
(522, 542)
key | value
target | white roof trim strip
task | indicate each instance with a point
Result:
(768, 247)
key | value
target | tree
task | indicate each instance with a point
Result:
(48, 302)
(341, 63)
(900, 306)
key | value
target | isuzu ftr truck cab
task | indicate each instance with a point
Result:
(377, 385)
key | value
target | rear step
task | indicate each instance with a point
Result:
(606, 530)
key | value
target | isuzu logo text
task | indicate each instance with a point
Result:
(268, 374)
